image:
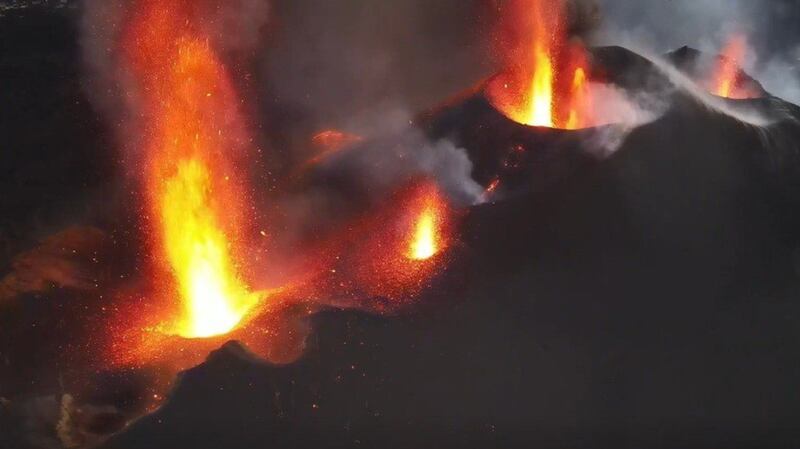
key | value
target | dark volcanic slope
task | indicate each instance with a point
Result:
(650, 302)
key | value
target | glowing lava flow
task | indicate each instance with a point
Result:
(193, 129)
(545, 82)
(726, 78)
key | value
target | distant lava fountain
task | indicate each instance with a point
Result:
(193, 132)
(726, 80)
(545, 80)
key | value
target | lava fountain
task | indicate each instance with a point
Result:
(195, 196)
(544, 82)
(537, 102)
(726, 80)
(426, 239)
(393, 252)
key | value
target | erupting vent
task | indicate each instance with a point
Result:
(426, 240)
(545, 82)
(195, 199)
(726, 81)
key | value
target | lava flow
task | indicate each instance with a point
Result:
(545, 80)
(193, 132)
(195, 147)
(726, 80)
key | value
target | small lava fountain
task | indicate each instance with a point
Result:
(726, 80)
(425, 243)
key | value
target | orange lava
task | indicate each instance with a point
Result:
(383, 260)
(491, 189)
(334, 140)
(328, 142)
(726, 80)
(580, 99)
(545, 78)
(425, 242)
(403, 243)
(196, 195)
(195, 150)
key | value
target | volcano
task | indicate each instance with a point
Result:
(580, 276)
(631, 282)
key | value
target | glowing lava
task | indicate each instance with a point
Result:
(424, 244)
(215, 298)
(580, 98)
(394, 252)
(545, 81)
(193, 131)
(726, 80)
(539, 98)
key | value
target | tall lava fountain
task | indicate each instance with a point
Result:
(195, 196)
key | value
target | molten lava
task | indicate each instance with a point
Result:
(545, 81)
(726, 80)
(580, 99)
(215, 298)
(391, 253)
(424, 243)
(334, 140)
(538, 99)
(193, 132)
